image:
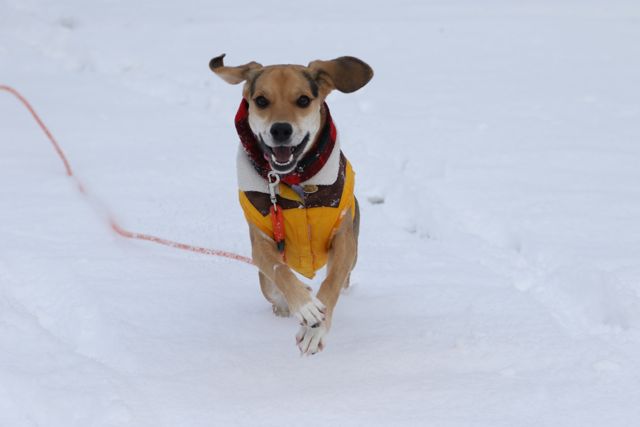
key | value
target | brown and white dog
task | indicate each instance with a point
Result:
(287, 136)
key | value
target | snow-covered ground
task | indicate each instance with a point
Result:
(498, 167)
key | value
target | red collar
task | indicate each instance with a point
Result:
(307, 166)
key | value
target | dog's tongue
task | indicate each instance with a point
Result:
(282, 154)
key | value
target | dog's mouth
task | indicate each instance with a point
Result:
(283, 158)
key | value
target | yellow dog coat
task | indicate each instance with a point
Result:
(312, 215)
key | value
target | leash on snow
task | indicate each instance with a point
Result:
(113, 224)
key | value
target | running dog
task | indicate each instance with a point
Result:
(296, 186)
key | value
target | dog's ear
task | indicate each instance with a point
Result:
(347, 74)
(233, 75)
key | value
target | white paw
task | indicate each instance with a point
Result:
(310, 340)
(280, 311)
(311, 313)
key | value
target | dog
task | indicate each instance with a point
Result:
(296, 185)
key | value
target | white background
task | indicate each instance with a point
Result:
(498, 283)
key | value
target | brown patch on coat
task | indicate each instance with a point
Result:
(324, 196)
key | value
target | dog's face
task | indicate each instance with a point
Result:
(285, 101)
(284, 113)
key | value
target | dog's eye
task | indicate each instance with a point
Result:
(261, 102)
(303, 101)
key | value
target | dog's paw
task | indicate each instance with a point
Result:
(310, 339)
(311, 313)
(280, 311)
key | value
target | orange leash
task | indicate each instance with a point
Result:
(119, 230)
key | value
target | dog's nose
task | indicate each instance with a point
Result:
(281, 132)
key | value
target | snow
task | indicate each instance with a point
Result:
(498, 280)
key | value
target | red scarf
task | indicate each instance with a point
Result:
(307, 166)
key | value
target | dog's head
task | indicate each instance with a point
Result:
(285, 101)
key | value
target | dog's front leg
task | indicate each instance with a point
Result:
(342, 256)
(307, 308)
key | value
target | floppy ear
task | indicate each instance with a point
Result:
(233, 75)
(347, 74)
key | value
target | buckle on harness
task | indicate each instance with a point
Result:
(273, 179)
